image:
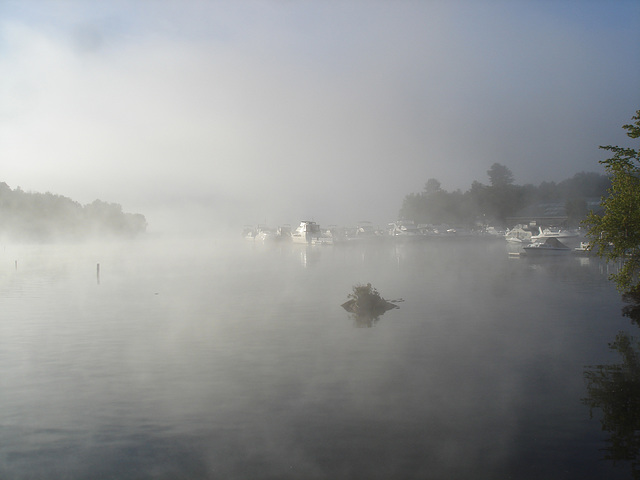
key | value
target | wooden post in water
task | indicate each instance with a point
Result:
(16, 265)
(98, 273)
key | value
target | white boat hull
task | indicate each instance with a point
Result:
(308, 233)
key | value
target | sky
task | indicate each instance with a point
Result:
(197, 112)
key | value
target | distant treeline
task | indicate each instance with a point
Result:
(44, 217)
(502, 200)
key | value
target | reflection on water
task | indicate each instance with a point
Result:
(614, 389)
(205, 360)
(632, 307)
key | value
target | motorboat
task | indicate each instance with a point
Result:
(553, 232)
(337, 234)
(249, 232)
(309, 233)
(518, 234)
(584, 249)
(404, 229)
(364, 232)
(547, 247)
(365, 229)
(264, 234)
(259, 232)
(283, 233)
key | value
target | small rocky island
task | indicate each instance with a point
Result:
(366, 304)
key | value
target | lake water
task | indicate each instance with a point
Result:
(223, 359)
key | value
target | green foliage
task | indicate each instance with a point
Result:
(46, 217)
(366, 298)
(615, 235)
(367, 305)
(501, 199)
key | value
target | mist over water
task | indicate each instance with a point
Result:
(228, 359)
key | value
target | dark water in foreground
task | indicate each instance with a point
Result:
(203, 360)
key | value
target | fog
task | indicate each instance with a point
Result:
(199, 359)
(198, 113)
(210, 356)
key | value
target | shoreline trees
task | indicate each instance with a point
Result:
(615, 235)
(501, 199)
(41, 217)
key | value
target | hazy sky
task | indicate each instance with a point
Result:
(254, 111)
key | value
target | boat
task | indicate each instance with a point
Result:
(553, 232)
(584, 249)
(548, 247)
(249, 232)
(518, 234)
(265, 234)
(365, 229)
(259, 232)
(363, 232)
(309, 233)
(404, 229)
(283, 233)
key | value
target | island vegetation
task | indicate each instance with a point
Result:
(43, 217)
(367, 305)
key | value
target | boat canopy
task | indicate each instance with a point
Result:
(554, 242)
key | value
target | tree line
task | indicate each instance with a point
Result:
(613, 223)
(502, 199)
(31, 216)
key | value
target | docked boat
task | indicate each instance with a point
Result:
(364, 229)
(364, 232)
(249, 232)
(553, 232)
(404, 229)
(547, 247)
(585, 249)
(264, 234)
(518, 234)
(283, 233)
(309, 233)
(259, 232)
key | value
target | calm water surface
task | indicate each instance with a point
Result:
(213, 359)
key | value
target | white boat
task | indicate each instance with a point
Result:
(547, 247)
(518, 235)
(283, 232)
(404, 229)
(584, 249)
(309, 233)
(553, 232)
(259, 232)
(249, 232)
(362, 233)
